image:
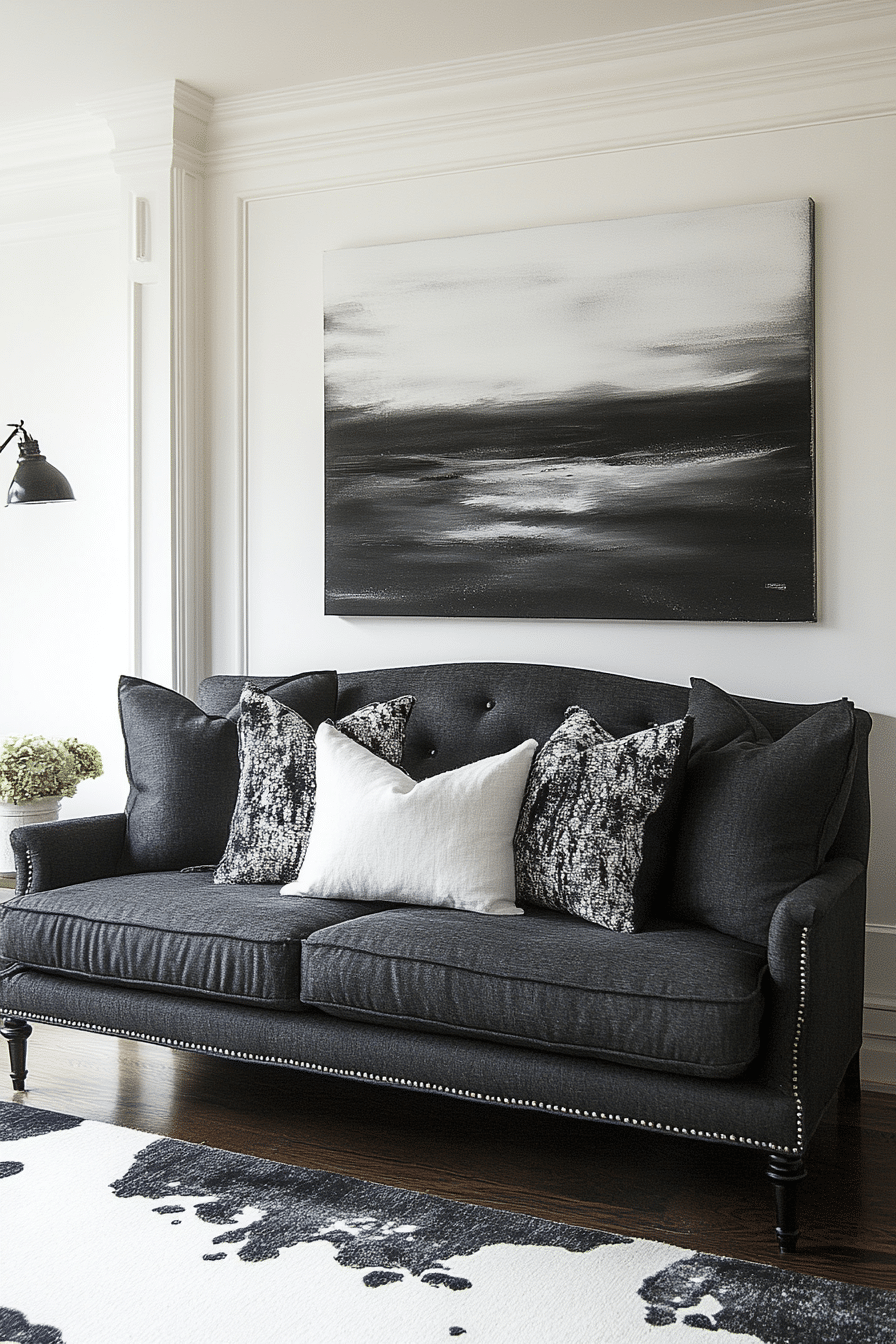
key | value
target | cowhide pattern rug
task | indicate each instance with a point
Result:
(109, 1236)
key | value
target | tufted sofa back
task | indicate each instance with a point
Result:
(466, 711)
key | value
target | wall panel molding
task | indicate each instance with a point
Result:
(158, 156)
(187, 448)
(242, 501)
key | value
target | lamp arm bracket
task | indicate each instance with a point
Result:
(16, 429)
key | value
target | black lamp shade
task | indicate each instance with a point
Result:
(36, 482)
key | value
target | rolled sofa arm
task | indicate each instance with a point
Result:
(816, 955)
(61, 853)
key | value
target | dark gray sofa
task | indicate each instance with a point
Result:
(680, 1028)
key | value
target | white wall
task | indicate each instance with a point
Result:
(65, 566)
(276, 211)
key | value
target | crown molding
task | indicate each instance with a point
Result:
(153, 127)
(61, 152)
(798, 65)
(157, 126)
(794, 18)
(356, 152)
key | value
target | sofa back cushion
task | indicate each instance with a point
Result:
(760, 814)
(183, 768)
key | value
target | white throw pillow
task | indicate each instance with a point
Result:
(378, 835)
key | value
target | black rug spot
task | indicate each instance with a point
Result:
(24, 1122)
(16, 1329)
(378, 1278)
(778, 1307)
(371, 1227)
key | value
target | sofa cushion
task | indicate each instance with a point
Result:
(594, 831)
(676, 998)
(446, 841)
(759, 815)
(173, 932)
(276, 799)
(183, 768)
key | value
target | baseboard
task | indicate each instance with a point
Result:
(879, 1064)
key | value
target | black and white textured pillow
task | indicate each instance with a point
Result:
(380, 727)
(275, 803)
(593, 832)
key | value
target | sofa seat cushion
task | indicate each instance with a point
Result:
(678, 998)
(173, 932)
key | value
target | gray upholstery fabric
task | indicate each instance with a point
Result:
(735, 1111)
(219, 696)
(759, 815)
(183, 769)
(680, 999)
(466, 711)
(595, 825)
(75, 849)
(174, 932)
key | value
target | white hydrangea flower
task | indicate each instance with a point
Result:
(34, 767)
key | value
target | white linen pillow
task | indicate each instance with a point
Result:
(378, 835)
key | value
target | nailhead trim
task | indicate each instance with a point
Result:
(797, 1035)
(29, 876)
(311, 1067)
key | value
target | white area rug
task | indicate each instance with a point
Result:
(108, 1236)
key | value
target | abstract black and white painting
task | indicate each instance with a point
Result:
(603, 420)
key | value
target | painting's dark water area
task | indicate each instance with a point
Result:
(691, 508)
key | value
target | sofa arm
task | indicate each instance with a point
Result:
(62, 853)
(816, 952)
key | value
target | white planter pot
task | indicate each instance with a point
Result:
(22, 814)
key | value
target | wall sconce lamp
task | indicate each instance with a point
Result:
(35, 481)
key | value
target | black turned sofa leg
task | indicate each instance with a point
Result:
(16, 1030)
(786, 1173)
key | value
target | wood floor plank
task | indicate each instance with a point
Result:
(700, 1196)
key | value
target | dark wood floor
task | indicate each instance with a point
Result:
(700, 1196)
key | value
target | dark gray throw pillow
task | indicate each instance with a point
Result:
(183, 768)
(759, 815)
(275, 803)
(594, 831)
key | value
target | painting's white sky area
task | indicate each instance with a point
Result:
(657, 304)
